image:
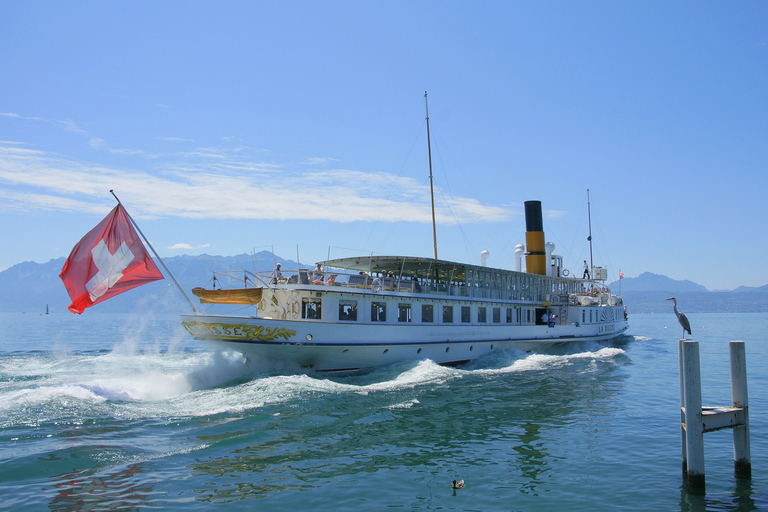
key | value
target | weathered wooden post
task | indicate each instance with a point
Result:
(694, 431)
(682, 404)
(742, 460)
(697, 420)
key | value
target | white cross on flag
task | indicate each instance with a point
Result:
(109, 260)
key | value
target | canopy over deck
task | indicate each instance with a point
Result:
(407, 266)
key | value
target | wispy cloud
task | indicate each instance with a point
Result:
(205, 153)
(187, 247)
(17, 116)
(320, 160)
(175, 139)
(555, 214)
(223, 188)
(99, 143)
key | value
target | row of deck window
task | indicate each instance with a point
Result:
(311, 308)
(348, 311)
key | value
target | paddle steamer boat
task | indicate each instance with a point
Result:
(359, 313)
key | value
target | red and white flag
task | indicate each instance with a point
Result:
(109, 260)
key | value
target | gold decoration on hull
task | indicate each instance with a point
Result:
(221, 331)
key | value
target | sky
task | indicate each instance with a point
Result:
(228, 127)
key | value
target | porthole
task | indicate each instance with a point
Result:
(418, 351)
(386, 350)
(345, 351)
(447, 349)
(471, 348)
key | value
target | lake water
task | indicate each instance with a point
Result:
(118, 412)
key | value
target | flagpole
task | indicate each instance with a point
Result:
(155, 253)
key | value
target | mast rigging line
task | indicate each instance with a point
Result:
(467, 244)
(392, 188)
(468, 185)
(449, 205)
(602, 247)
(402, 216)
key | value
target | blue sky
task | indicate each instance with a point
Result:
(229, 126)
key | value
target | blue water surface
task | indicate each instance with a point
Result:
(126, 412)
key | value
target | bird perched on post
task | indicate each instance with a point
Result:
(681, 318)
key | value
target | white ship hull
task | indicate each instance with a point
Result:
(334, 346)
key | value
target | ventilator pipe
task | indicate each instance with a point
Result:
(519, 251)
(484, 258)
(549, 248)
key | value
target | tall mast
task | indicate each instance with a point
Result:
(431, 188)
(589, 216)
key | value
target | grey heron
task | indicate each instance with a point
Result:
(681, 318)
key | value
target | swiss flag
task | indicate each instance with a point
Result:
(109, 260)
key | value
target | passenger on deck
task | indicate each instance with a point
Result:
(318, 275)
(277, 276)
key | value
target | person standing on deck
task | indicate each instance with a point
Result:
(277, 276)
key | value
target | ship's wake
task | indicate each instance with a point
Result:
(46, 387)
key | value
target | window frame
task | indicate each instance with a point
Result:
(317, 310)
(378, 311)
(447, 313)
(407, 308)
(344, 315)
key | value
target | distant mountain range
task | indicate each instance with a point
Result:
(29, 287)
(646, 293)
(649, 282)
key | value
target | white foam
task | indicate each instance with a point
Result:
(539, 362)
(275, 389)
(43, 394)
(140, 384)
(404, 405)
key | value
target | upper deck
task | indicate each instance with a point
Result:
(411, 275)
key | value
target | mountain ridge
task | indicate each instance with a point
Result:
(31, 286)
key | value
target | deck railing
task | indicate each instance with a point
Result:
(523, 287)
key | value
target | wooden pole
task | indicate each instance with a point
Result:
(589, 214)
(431, 188)
(682, 405)
(694, 428)
(742, 460)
